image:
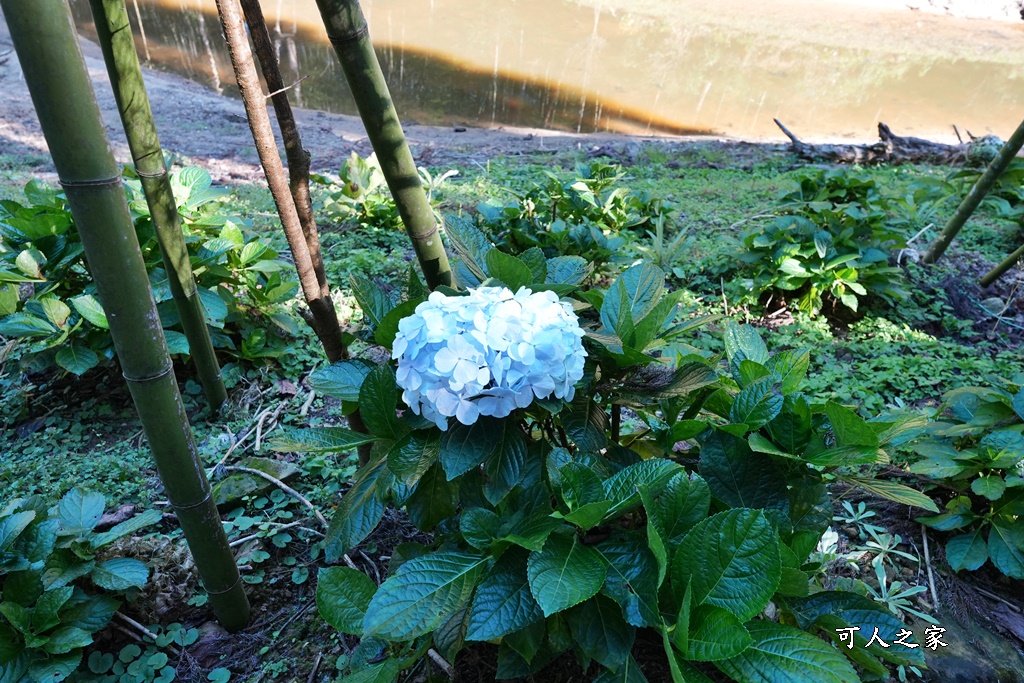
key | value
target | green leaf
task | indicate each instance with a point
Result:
(464, 447)
(585, 424)
(56, 311)
(893, 491)
(627, 673)
(538, 265)
(12, 526)
(120, 574)
(384, 672)
(411, 457)
(784, 653)
(358, 513)
(219, 675)
(684, 502)
(20, 325)
(372, 300)
(849, 428)
(129, 526)
(739, 476)
(378, 402)
(731, 560)
(791, 366)
(564, 573)
(715, 634)
(637, 291)
(341, 380)
(757, 404)
(791, 429)
(632, 579)
(512, 272)
(214, 308)
(387, 330)
(56, 668)
(433, 501)
(480, 527)
(989, 486)
(9, 299)
(742, 342)
(1018, 403)
(506, 466)
(44, 615)
(342, 598)
(424, 593)
(77, 359)
(527, 642)
(92, 614)
(79, 511)
(967, 551)
(67, 638)
(622, 488)
(1006, 546)
(319, 440)
(568, 270)
(470, 244)
(503, 602)
(600, 631)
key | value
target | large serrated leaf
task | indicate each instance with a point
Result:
(378, 403)
(757, 404)
(564, 573)
(503, 602)
(79, 511)
(120, 574)
(637, 291)
(731, 560)
(12, 526)
(623, 487)
(433, 501)
(372, 300)
(739, 476)
(568, 270)
(342, 598)
(129, 526)
(512, 272)
(319, 440)
(410, 458)
(783, 653)
(77, 359)
(632, 579)
(742, 342)
(715, 633)
(341, 380)
(357, 515)
(600, 631)
(464, 447)
(424, 593)
(1006, 546)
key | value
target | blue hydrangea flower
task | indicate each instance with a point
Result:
(487, 353)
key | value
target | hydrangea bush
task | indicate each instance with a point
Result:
(487, 354)
(563, 524)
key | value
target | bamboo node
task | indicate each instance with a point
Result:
(343, 39)
(427, 235)
(142, 380)
(206, 499)
(101, 182)
(152, 176)
(226, 590)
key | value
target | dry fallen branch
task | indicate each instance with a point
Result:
(890, 149)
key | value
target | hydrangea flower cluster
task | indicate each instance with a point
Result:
(487, 353)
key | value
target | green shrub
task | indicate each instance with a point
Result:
(976, 448)
(567, 527)
(831, 246)
(48, 300)
(57, 590)
(584, 215)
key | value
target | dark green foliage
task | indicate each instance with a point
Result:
(586, 214)
(687, 520)
(47, 298)
(56, 591)
(976, 448)
(831, 245)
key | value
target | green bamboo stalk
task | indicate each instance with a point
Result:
(348, 32)
(115, 37)
(976, 195)
(1003, 266)
(44, 38)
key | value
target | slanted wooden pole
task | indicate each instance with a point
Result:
(322, 316)
(115, 37)
(348, 32)
(981, 188)
(1003, 266)
(44, 38)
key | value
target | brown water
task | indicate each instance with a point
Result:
(826, 69)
